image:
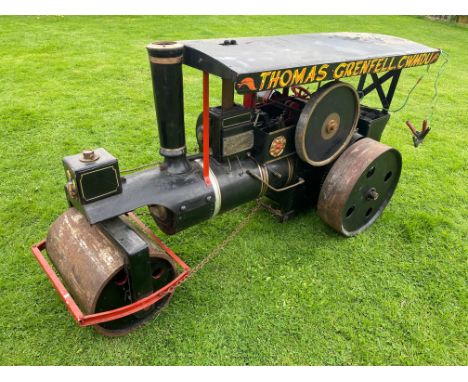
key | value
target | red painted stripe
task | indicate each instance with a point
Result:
(249, 100)
(206, 128)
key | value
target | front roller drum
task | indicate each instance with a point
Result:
(359, 186)
(93, 268)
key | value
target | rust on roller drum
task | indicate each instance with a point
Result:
(84, 257)
(93, 269)
(359, 186)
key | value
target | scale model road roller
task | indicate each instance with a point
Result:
(300, 148)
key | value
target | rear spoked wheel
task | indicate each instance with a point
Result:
(359, 186)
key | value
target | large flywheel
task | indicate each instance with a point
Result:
(359, 186)
(94, 270)
(327, 123)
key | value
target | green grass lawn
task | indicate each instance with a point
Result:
(295, 293)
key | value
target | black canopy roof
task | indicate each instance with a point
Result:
(237, 58)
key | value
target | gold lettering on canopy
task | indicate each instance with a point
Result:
(334, 71)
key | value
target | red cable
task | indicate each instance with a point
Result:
(206, 128)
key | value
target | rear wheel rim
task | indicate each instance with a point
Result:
(371, 195)
(359, 186)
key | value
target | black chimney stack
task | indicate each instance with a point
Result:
(166, 71)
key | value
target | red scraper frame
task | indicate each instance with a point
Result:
(111, 315)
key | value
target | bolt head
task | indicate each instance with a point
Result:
(332, 126)
(88, 154)
(372, 194)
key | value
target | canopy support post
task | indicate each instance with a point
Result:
(227, 99)
(392, 88)
(377, 82)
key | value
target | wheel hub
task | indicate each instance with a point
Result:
(372, 194)
(330, 126)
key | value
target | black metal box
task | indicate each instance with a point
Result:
(265, 140)
(372, 122)
(91, 175)
(231, 131)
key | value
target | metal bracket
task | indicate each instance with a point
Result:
(299, 182)
(137, 253)
(283, 217)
